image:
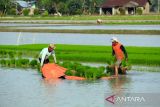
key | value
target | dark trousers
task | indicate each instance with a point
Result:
(45, 61)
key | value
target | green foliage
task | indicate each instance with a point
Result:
(69, 72)
(5, 5)
(26, 12)
(3, 62)
(33, 63)
(11, 54)
(139, 11)
(77, 69)
(22, 62)
(75, 7)
(63, 8)
(36, 11)
(12, 11)
(45, 13)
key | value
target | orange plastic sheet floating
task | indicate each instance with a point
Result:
(54, 71)
(74, 78)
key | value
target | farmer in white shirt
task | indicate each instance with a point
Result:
(45, 53)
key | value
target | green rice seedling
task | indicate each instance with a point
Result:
(22, 63)
(3, 54)
(3, 62)
(8, 63)
(80, 71)
(89, 73)
(19, 55)
(13, 62)
(33, 63)
(11, 54)
(137, 55)
(68, 65)
(69, 72)
(38, 68)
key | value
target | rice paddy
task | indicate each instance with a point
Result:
(25, 56)
(85, 53)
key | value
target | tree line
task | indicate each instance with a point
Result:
(65, 7)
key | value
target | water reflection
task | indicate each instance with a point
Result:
(118, 85)
(25, 87)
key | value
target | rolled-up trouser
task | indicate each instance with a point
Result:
(118, 62)
(45, 61)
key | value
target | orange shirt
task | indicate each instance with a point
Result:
(118, 52)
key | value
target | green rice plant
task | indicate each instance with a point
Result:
(80, 71)
(126, 64)
(77, 69)
(33, 63)
(8, 63)
(3, 54)
(137, 55)
(38, 68)
(3, 62)
(69, 72)
(11, 54)
(22, 63)
(12, 62)
(19, 55)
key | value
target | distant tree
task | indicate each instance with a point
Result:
(62, 8)
(49, 5)
(154, 5)
(75, 7)
(5, 5)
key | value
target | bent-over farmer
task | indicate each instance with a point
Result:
(45, 53)
(119, 51)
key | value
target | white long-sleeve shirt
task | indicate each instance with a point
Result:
(44, 54)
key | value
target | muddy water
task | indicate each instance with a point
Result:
(11, 38)
(26, 88)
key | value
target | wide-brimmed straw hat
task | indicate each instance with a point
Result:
(52, 46)
(114, 39)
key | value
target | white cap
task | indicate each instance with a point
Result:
(114, 39)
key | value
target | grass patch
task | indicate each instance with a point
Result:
(148, 32)
(87, 17)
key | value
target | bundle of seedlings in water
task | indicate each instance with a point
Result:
(77, 69)
(124, 66)
(33, 63)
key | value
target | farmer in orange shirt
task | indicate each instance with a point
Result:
(119, 52)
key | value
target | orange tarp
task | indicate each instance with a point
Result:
(54, 71)
(74, 78)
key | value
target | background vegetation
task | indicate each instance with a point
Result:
(65, 7)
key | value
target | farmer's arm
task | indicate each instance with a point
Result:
(42, 60)
(124, 51)
(113, 53)
(54, 56)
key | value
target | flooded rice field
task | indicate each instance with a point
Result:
(80, 27)
(25, 87)
(13, 38)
